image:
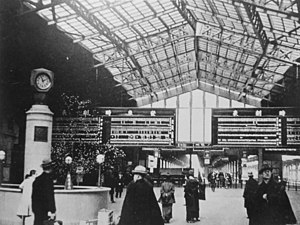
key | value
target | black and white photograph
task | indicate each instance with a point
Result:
(149, 112)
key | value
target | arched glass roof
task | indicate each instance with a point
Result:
(156, 49)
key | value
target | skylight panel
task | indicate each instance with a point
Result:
(126, 34)
(162, 5)
(92, 4)
(109, 18)
(132, 10)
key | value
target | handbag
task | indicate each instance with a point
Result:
(52, 222)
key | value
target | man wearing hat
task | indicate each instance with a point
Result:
(43, 203)
(249, 197)
(273, 205)
(140, 206)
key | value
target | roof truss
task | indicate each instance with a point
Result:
(157, 49)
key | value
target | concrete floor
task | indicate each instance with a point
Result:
(222, 207)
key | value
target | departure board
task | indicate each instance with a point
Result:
(293, 131)
(77, 129)
(249, 131)
(139, 130)
(265, 127)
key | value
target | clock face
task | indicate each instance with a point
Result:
(43, 81)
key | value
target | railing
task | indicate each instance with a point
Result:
(293, 185)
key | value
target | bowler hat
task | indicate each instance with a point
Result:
(264, 168)
(139, 170)
(46, 163)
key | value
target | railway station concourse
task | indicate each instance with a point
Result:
(211, 85)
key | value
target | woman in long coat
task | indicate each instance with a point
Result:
(140, 205)
(167, 198)
(25, 209)
(191, 194)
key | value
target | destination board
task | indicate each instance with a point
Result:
(293, 131)
(77, 129)
(273, 128)
(249, 131)
(139, 130)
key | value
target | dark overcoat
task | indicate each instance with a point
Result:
(140, 206)
(276, 210)
(249, 193)
(191, 194)
(43, 197)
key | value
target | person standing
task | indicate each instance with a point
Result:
(249, 197)
(140, 206)
(273, 205)
(191, 195)
(110, 181)
(120, 185)
(167, 198)
(25, 208)
(43, 202)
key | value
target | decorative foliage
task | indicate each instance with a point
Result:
(83, 153)
(72, 105)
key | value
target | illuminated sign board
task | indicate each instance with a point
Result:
(265, 127)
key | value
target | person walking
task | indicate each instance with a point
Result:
(167, 198)
(120, 185)
(140, 206)
(25, 206)
(273, 205)
(249, 198)
(43, 202)
(191, 195)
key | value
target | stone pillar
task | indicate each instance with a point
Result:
(38, 137)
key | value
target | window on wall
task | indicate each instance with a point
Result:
(184, 125)
(197, 125)
(194, 124)
(210, 100)
(236, 104)
(159, 104)
(224, 102)
(197, 100)
(184, 100)
(207, 124)
(171, 102)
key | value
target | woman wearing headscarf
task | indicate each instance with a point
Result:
(167, 198)
(191, 194)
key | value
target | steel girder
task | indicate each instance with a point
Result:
(244, 46)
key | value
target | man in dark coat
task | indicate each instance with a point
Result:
(140, 206)
(273, 205)
(43, 202)
(249, 197)
(191, 195)
(110, 181)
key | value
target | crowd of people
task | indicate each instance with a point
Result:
(219, 180)
(266, 202)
